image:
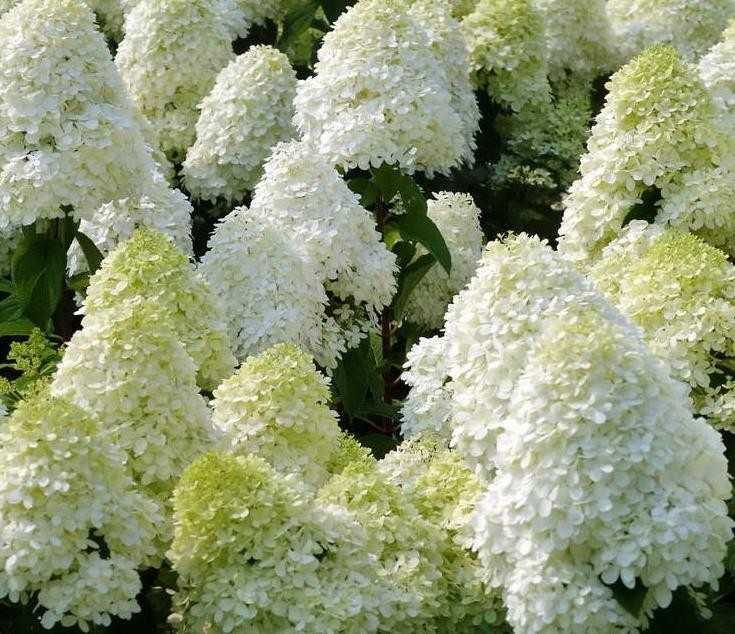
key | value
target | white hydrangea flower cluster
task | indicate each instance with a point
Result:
(73, 530)
(110, 15)
(148, 270)
(458, 219)
(308, 234)
(581, 437)
(133, 373)
(602, 476)
(70, 139)
(169, 60)
(407, 545)
(461, 381)
(308, 201)
(277, 406)
(507, 51)
(681, 292)
(579, 40)
(391, 89)
(445, 492)
(255, 556)
(161, 209)
(268, 293)
(690, 26)
(248, 112)
(659, 129)
(717, 70)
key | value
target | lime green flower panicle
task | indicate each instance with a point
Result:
(255, 557)
(277, 406)
(508, 51)
(65, 494)
(149, 269)
(681, 292)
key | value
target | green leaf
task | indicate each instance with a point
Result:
(37, 272)
(366, 189)
(405, 252)
(422, 229)
(296, 22)
(630, 599)
(78, 283)
(351, 382)
(17, 328)
(10, 309)
(379, 444)
(6, 285)
(333, 8)
(92, 254)
(414, 201)
(407, 281)
(388, 180)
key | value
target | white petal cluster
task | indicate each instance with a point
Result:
(69, 138)
(256, 557)
(161, 208)
(308, 201)
(445, 492)
(248, 112)
(582, 439)
(545, 142)
(390, 88)
(462, 380)
(458, 219)
(307, 235)
(507, 51)
(717, 70)
(579, 40)
(277, 406)
(602, 477)
(659, 129)
(692, 26)
(268, 292)
(135, 376)
(170, 57)
(73, 530)
(681, 292)
(406, 545)
(148, 270)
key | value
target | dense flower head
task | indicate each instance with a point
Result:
(406, 544)
(390, 89)
(460, 382)
(160, 208)
(277, 406)
(269, 293)
(69, 136)
(65, 496)
(579, 40)
(717, 70)
(458, 219)
(681, 292)
(545, 142)
(169, 60)
(308, 202)
(248, 112)
(255, 556)
(134, 375)
(602, 476)
(580, 436)
(148, 269)
(348, 450)
(692, 26)
(507, 51)
(658, 129)
(445, 492)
